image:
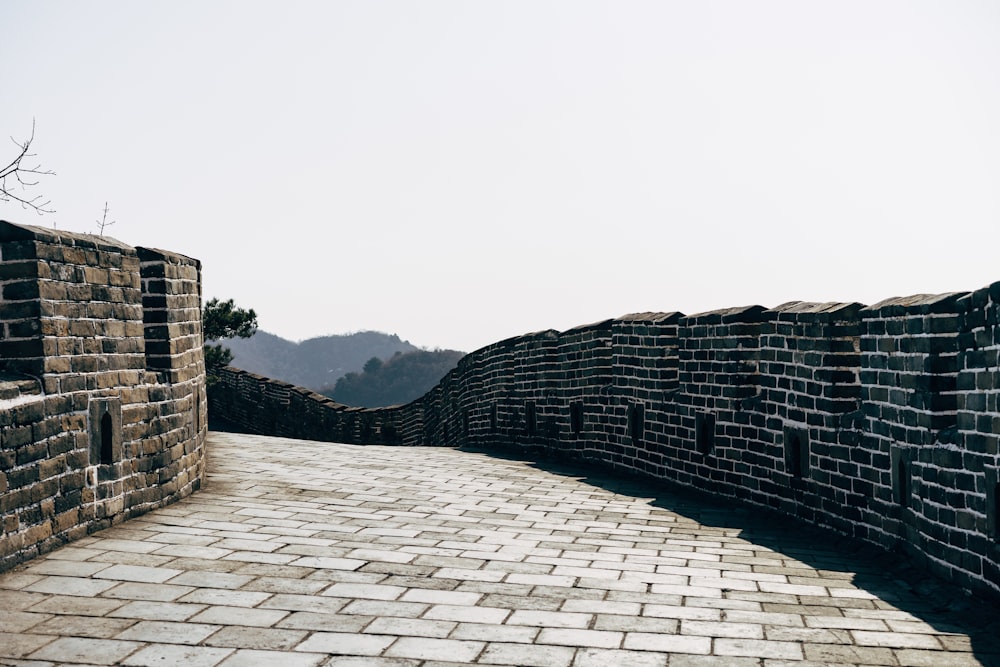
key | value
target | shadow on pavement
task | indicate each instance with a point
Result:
(892, 578)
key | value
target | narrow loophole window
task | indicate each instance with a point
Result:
(636, 425)
(904, 483)
(107, 439)
(794, 457)
(576, 417)
(796, 452)
(704, 432)
(530, 418)
(996, 513)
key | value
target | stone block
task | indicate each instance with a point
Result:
(52, 467)
(31, 452)
(38, 533)
(48, 507)
(69, 498)
(22, 290)
(21, 477)
(44, 489)
(66, 520)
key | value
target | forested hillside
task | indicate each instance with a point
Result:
(313, 363)
(403, 378)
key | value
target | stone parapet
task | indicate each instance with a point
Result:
(881, 422)
(92, 428)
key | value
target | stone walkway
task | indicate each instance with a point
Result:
(303, 553)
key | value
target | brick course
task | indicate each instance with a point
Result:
(881, 422)
(101, 385)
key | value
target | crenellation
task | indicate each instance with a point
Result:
(881, 422)
(76, 453)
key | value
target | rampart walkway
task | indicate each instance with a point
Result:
(302, 553)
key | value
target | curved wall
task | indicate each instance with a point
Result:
(881, 422)
(102, 385)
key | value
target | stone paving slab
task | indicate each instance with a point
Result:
(304, 553)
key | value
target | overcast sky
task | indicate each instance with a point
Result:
(461, 172)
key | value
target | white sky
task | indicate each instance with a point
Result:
(461, 172)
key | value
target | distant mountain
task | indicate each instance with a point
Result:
(313, 363)
(401, 379)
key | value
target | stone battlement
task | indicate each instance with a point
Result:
(102, 385)
(881, 422)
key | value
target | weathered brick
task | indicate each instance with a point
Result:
(51, 467)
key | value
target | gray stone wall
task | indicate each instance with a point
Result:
(102, 399)
(881, 422)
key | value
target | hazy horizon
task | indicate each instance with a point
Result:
(459, 173)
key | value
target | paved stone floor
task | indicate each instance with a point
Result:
(303, 553)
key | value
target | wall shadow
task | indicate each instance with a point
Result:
(891, 577)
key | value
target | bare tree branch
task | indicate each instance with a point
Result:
(18, 174)
(103, 222)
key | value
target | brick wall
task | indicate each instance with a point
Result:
(968, 475)
(102, 400)
(881, 422)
